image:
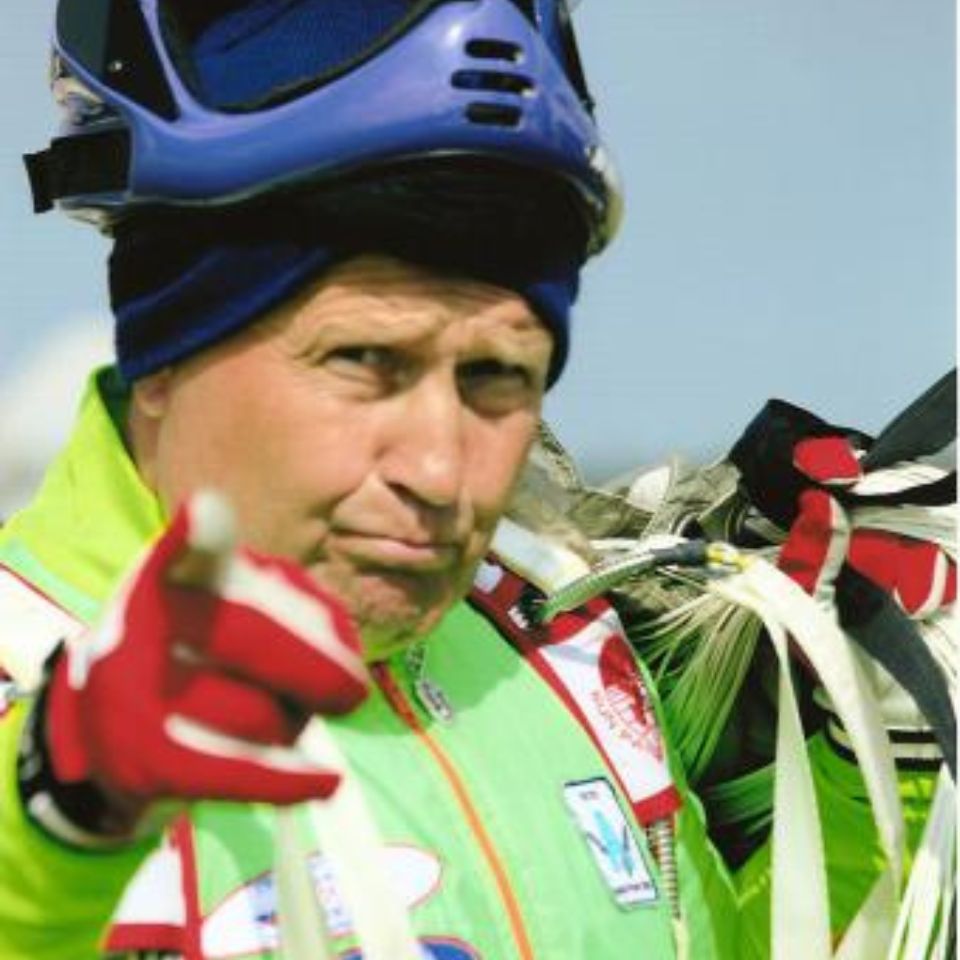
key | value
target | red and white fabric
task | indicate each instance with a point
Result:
(201, 674)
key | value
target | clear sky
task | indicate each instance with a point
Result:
(790, 224)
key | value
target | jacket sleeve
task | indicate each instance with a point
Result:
(55, 901)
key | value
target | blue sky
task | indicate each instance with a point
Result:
(790, 226)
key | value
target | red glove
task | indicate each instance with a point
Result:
(201, 675)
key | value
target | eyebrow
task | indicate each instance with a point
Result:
(516, 343)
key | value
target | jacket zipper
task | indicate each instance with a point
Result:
(403, 708)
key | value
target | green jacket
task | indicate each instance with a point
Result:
(475, 811)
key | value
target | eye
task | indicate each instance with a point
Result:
(362, 356)
(363, 360)
(495, 386)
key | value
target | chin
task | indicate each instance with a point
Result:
(386, 628)
(392, 610)
(391, 619)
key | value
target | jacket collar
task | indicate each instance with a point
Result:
(92, 515)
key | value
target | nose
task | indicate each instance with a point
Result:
(425, 449)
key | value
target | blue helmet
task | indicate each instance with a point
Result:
(211, 103)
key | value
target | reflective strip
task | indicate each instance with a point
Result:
(33, 625)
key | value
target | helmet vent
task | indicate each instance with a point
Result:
(494, 114)
(494, 81)
(494, 50)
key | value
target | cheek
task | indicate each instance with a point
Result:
(307, 463)
(270, 450)
(287, 492)
(497, 452)
(193, 451)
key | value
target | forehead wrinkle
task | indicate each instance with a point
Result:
(383, 272)
(348, 313)
(415, 311)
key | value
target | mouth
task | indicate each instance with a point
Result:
(397, 554)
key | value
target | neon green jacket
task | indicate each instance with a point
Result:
(475, 813)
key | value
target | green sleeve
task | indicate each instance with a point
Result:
(55, 901)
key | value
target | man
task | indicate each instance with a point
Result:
(347, 237)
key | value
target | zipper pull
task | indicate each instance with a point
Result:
(429, 694)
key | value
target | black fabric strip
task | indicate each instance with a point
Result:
(911, 736)
(924, 428)
(902, 763)
(872, 618)
(38, 172)
(95, 163)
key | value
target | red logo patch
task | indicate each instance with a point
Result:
(624, 701)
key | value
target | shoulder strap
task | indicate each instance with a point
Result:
(584, 657)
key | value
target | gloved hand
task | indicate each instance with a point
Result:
(200, 676)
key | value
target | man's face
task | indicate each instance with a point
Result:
(372, 428)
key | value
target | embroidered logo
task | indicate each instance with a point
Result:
(624, 701)
(611, 840)
(246, 920)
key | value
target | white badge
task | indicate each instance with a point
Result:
(610, 837)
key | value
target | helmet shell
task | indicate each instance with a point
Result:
(470, 78)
